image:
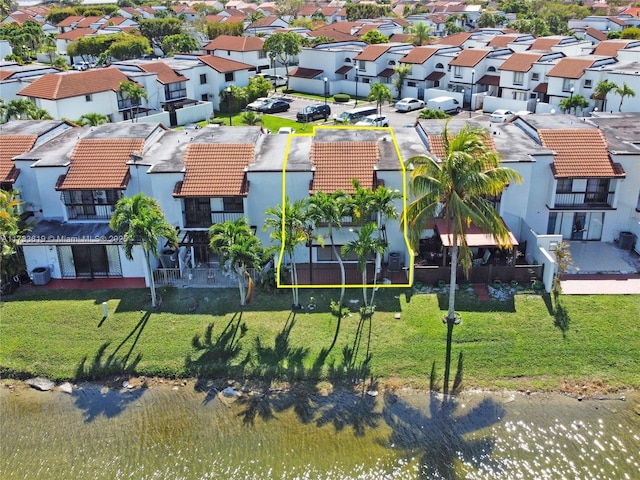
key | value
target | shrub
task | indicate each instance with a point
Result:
(341, 97)
(431, 114)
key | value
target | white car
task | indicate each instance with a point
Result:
(501, 115)
(373, 121)
(409, 104)
(258, 103)
(286, 131)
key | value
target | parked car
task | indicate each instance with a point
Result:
(501, 115)
(257, 103)
(445, 104)
(409, 104)
(313, 112)
(355, 115)
(82, 66)
(286, 130)
(192, 126)
(274, 106)
(373, 121)
(276, 80)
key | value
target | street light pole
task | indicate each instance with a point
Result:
(228, 90)
(356, 85)
(325, 79)
(463, 98)
(310, 245)
(571, 100)
(473, 74)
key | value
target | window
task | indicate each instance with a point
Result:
(518, 78)
(197, 212)
(565, 185)
(535, 76)
(203, 78)
(228, 53)
(457, 72)
(411, 84)
(361, 66)
(228, 77)
(491, 69)
(232, 204)
(567, 84)
(440, 66)
(262, 54)
(325, 254)
(204, 97)
(392, 62)
(88, 98)
(587, 84)
(521, 96)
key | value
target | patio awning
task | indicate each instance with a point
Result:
(434, 76)
(343, 69)
(489, 80)
(475, 237)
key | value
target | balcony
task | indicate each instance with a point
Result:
(206, 220)
(589, 200)
(85, 211)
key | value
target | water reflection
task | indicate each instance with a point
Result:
(95, 401)
(438, 434)
(172, 432)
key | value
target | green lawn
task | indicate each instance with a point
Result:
(516, 343)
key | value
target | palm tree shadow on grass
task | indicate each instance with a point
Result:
(114, 363)
(562, 319)
(440, 436)
(217, 355)
(278, 362)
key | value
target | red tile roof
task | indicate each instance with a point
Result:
(55, 86)
(338, 163)
(456, 40)
(580, 153)
(595, 33)
(545, 43)
(165, 73)
(609, 48)
(223, 65)
(419, 55)
(235, 44)
(76, 33)
(521, 61)
(216, 169)
(69, 21)
(571, 67)
(470, 57)
(301, 72)
(372, 52)
(100, 164)
(85, 22)
(12, 146)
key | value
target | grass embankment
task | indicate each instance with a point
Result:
(514, 344)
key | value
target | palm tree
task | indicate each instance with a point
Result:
(134, 93)
(18, 108)
(402, 71)
(457, 189)
(39, 114)
(238, 247)
(251, 118)
(364, 247)
(420, 33)
(601, 91)
(379, 93)
(11, 262)
(92, 119)
(142, 222)
(624, 91)
(288, 227)
(330, 209)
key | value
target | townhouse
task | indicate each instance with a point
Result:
(72, 177)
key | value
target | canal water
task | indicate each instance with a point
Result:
(190, 432)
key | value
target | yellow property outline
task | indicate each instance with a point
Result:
(403, 214)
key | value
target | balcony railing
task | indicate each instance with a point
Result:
(213, 218)
(584, 200)
(90, 211)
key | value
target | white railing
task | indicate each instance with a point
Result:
(175, 277)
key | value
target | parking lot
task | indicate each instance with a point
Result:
(396, 119)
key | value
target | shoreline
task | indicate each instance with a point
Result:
(582, 391)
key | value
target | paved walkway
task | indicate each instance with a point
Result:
(615, 284)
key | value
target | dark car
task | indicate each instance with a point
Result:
(313, 112)
(274, 106)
